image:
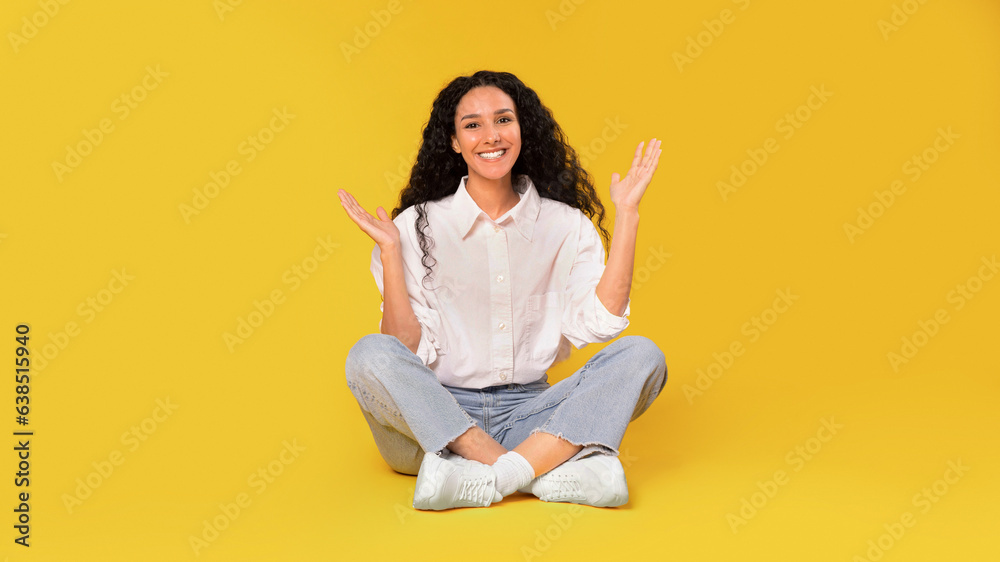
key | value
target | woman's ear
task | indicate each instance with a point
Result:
(454, 144)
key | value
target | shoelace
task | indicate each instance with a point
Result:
(478, 491)
(566, 487)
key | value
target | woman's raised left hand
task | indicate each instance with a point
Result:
(628, 191)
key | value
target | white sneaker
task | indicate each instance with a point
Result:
(448, 481)
(597, 480)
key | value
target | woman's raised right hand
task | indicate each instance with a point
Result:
(382, 230)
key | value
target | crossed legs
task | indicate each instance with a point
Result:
(407, 408)
(543, 451)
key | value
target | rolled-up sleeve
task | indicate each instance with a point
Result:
(585, 318)
(428, 318)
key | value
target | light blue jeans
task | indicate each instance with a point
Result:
(409, 411)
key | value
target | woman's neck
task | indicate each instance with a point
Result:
(494, 197)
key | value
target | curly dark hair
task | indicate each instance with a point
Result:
(546, 157)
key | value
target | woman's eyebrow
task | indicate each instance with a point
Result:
(497, 112)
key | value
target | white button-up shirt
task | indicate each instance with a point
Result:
(506, 297)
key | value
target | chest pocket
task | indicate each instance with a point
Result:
(544, 326)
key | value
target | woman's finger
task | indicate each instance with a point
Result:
(654, 164)
(356, 207)
(356, 212)
(345, 197)
(651, 149)
(637, 158)
(652, 155)
(345, 200)
(351, 207)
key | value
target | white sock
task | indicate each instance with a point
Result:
(513, 471)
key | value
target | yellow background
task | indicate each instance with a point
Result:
(691, 459)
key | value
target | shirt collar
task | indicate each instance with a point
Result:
(524, 213)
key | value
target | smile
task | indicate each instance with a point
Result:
(492, 155)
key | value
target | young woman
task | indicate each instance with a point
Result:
(489, 269)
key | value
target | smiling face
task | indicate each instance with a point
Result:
(487, 133)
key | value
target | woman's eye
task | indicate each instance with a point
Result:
(470, 125)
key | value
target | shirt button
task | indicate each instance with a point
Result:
(499, 278)
(501, 325)
(503, 377)
(496, 228)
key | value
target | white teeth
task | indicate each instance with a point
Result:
(492, 155)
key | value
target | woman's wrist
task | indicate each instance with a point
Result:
(390, 253)
(626, 216)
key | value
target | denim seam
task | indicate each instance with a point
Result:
(584, 444)
(540, 409)
(582, 373)
(372, 398)
(484, 408)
